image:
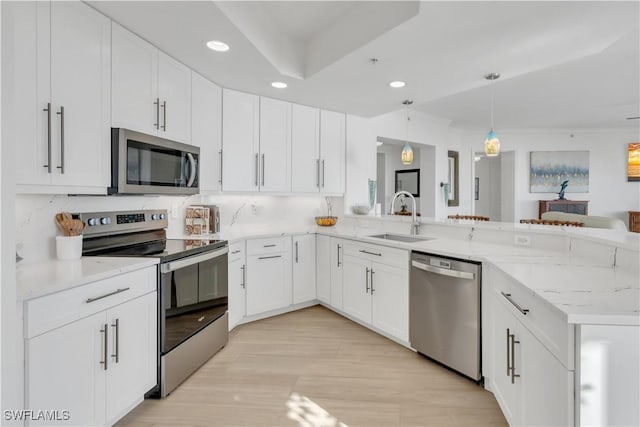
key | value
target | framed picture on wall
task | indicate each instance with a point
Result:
(549, 169)
(633, 162)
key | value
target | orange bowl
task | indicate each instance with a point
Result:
(326, 221)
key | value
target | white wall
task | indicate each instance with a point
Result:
(393, 162)
(426, 131)
(36, 229)
(360, 160)
(10, 344)
(609, 192)
(488, 172)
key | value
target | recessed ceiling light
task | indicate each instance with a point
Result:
(397, 84)
(279, 85)
(218, 46)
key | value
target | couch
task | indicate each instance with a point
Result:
(592, 221)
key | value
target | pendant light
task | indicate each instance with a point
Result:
(407, 152)
(491, 142)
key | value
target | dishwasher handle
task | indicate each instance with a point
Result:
(443, 271)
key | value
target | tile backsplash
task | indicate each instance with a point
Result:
(36, 229)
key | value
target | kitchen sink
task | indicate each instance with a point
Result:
(401, 237)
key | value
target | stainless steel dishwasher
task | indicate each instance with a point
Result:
(444, 311)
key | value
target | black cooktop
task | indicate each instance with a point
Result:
(149, 244)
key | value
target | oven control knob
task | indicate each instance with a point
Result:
(105, 220)
(154, 217)
(162, 216)
(92, 221)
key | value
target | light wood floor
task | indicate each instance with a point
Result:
(314, 368)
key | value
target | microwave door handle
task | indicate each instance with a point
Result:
(193, 170)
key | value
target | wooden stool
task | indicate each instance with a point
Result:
(552, 222)
(471, 217)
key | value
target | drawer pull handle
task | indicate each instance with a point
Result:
(117, 291)
(370, 253)
(105, 342)
(269, 257)
(524, 311)
(236, 252)
(269, 246)
(116, 326)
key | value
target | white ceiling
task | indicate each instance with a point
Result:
(563, 64)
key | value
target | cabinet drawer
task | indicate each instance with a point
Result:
(267, 245)
(236, 251)
(542, 321)
(52, 311)
(381, 254)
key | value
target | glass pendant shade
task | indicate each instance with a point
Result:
(407, 154)
(492, 144)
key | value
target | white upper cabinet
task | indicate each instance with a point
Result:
(305, 149)
(275, 145)
(174, 91)
(206, 130)
(240, 141)
(134, 82)
(317, 151)
(56, 61)
(151, 92)
(332, 152)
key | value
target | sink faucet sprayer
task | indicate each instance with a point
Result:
(415, 225)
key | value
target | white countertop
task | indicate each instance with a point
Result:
(46, 277)
(583, 290)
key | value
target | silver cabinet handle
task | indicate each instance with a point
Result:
(322, 173)
(257, 171)
(370, 253)
(48, 110)
(263, 170)
(157, 104)
(318, 173)
(164, 115)
(117, 291)
(513, 359)
(296, 252)
(443, 271)
(269, 246)
(61, 114)
(269, 257)
(524, 311)
(220, 180)
(339, 247)
(372, 289)
(116, 326)
(236, 252)
(366, 279)
(105, 342)
(508, 356)
(244, 276)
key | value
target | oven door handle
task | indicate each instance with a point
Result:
(185, 262)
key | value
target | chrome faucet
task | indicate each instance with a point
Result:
(415, 225)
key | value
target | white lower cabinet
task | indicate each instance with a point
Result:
(323, 268)
(329, 260)
(99, 365)
(237, 284)
(374, 292)
(268, 274)
(531, 386)
(304, 268)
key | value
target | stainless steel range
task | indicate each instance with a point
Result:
(192, 286)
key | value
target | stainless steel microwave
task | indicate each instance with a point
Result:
(146, 164)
